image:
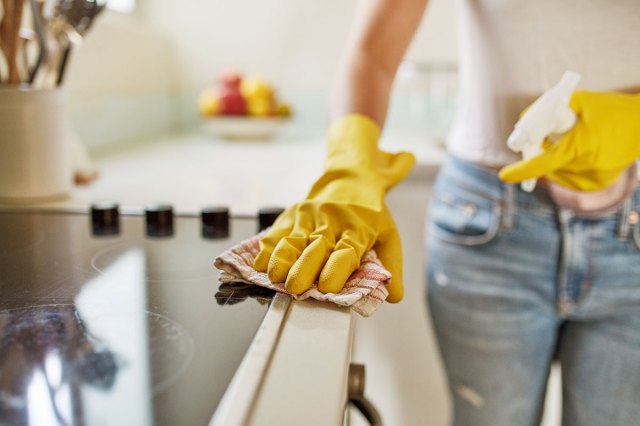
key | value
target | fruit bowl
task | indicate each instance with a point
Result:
(244, 128)
(243, 108)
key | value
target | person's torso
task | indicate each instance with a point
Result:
(513, 50)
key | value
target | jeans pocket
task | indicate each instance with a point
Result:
(464, 218)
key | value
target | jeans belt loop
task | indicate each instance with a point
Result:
(623, 221)
(509, 206)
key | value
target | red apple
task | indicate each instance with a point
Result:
(232, 103)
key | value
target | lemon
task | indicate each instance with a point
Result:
(208, 104)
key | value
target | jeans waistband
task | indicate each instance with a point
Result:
(487, 179)
(513, 198)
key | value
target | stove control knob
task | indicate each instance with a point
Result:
(105, 218)
(215, 222)
(268, 215)
(159, 218)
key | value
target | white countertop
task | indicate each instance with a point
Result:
(194, 169)
(298, 364)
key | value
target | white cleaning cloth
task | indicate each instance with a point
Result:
(364, 291)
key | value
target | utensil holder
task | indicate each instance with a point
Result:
(35, 164)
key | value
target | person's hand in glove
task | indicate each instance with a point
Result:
(603, 143)
(324, 237)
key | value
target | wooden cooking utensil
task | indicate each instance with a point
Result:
(4, 22)
(11, 37)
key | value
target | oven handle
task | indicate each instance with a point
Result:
(355, 389)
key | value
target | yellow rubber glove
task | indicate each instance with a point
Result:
(324, 237)
(604, 141)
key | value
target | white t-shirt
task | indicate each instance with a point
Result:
(513, 50)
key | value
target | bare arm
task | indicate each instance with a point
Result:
(378, 42)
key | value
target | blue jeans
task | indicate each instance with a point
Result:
(514, 283)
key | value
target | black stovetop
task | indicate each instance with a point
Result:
(117, 329)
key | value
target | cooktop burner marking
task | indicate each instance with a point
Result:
(172, 261)
(182, 354)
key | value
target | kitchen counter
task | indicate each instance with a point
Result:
(194, 169)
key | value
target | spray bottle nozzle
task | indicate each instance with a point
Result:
(549, 114)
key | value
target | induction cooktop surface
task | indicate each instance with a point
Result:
(123, 324)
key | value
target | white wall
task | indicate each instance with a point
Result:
(119, 82)
(143, 71)
(296, 43)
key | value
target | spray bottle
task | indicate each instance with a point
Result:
(549, 115)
